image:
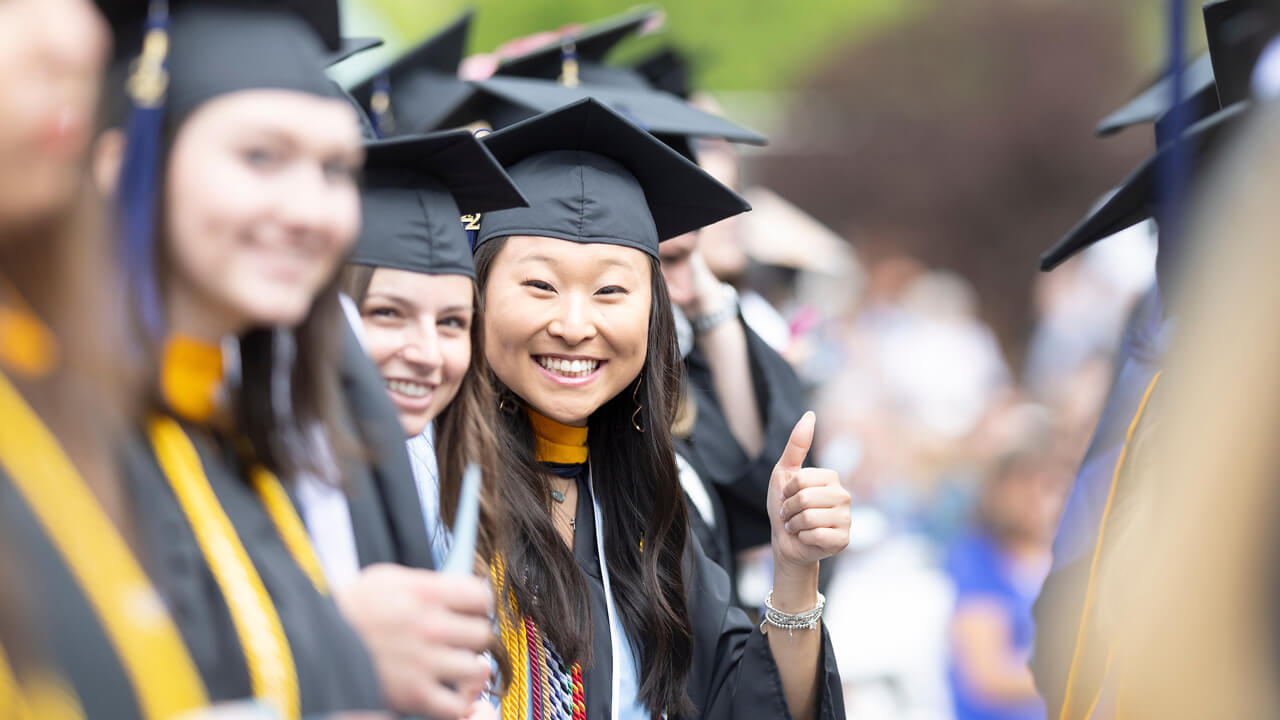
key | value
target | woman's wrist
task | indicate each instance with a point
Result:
(795, 588)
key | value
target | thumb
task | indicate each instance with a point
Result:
(798, 445)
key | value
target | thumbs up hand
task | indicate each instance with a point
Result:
(808, 507)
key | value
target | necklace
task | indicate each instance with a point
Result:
(559, 508)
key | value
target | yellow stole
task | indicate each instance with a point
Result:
(27, 346)
(557, 442)
(160, 670)
(190, 381)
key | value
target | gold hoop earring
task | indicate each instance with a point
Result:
(634, 423)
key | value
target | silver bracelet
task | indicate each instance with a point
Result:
(727, 311)
(807, 620)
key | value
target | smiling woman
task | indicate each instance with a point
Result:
(234, 277)
(412, 279)
(611, 599)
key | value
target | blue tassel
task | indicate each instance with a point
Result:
(138, 189)
(1173, 172)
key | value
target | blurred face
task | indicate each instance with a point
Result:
(51, 58)
(1028, 500)
(419, 333)
(261, 205)
(567, 324)
(677, 268)
(721, 243)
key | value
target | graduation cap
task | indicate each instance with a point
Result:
(1154, 103)
(420, 90)
(593, 176)
(1237, 31)
(667, 70)
(1134, 200)
(586, 50)
(416, 189)
(187, 54)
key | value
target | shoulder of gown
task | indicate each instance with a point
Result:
(335, 671)
(49, 620)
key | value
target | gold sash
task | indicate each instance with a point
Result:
(272, 672)
(162, 674)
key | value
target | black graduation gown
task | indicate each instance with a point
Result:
(386, 514)
(743, 482)
(335, 671)
(734, 675)
(56, 615)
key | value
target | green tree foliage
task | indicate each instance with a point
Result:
(736, 44)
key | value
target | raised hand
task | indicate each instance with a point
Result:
(808, 507)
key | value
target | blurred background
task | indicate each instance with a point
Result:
(922, 154)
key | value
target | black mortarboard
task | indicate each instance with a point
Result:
(667, 70)
(593, 176)
(1134, 200)
(415, 190)
(421, 88)
(221, 46)
(1155, 102)
(590, 47)
(1237, 31)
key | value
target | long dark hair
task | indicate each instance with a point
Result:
(465, 427)
(642, 505)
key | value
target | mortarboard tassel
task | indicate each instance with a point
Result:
(384, 123)
(569, 63)
(137, 191)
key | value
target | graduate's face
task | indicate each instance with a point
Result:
(261, 205)
(51, 58)
(418, 329)
(567, 324)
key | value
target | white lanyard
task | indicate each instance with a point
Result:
(614, 640)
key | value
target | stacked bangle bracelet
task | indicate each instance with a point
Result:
(807, 620)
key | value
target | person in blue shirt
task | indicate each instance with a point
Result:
(997, 570)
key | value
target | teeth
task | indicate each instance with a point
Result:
(569, 368)
(410, 389)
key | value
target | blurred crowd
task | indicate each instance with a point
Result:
(1061, 529)
(959, 462)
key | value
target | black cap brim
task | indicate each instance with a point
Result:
(465, 166)
(1155, 101)
(1134, 199)
(350, 47)
(593, 44)
(658, 112)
